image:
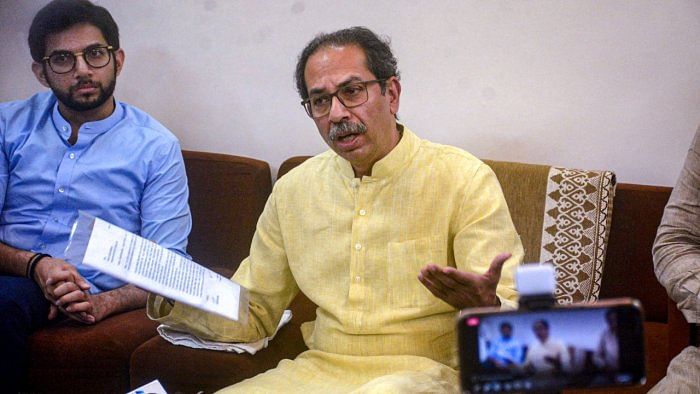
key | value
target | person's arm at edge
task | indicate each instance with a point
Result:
(14, 261)
(677, 245)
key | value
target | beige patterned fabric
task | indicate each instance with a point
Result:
(577, 216)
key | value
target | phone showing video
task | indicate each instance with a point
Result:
(574, 346)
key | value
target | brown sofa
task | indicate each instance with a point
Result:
(227, 195)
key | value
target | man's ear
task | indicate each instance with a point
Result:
(119, 59)
(38, 70)
(393, 92)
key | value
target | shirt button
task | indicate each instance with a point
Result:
(61, 189)
(363, 212)
(42, 246)
(358, 246)
(65, 128)
(55, 219)
(72, 155)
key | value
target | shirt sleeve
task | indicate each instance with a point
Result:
(677, 245)
(486, 229)
(165, 213)
(4, 166)
(266, 275)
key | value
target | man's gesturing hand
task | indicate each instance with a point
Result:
(464, 289)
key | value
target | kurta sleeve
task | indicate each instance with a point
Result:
(677, 245)
(485, 230)
(266, 275)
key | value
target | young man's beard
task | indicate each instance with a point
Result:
(66, 98)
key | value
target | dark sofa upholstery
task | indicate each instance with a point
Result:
(227, 195)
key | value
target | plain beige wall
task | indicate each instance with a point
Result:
(588, 84)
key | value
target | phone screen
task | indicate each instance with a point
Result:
(553, 349)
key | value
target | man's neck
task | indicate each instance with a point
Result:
(367, 170)
(78, 118)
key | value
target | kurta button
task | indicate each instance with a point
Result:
(358, 246)
(363, 212)
(357, 279)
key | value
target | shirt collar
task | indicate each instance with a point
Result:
(393, 163)
(96, 127)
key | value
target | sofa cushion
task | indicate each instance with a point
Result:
(563, 216)
(578, 211)
(71, 357)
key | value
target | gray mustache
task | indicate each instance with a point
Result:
(339, 130)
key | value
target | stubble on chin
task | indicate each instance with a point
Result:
(79, 103)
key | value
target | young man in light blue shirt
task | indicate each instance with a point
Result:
(76, 148)
(505, 352)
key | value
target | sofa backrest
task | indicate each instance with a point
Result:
(227, 195)
(629, 266)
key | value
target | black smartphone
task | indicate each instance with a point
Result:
(574, 346)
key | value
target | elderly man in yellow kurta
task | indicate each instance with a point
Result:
(389, 234)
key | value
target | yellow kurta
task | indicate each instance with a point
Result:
(355, 247)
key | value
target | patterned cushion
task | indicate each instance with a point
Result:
(563, 216)
(578, 211)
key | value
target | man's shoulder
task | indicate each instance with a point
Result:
(449, 152)
(145, 123)
(449, 158)
(39, 102)
(311, 167)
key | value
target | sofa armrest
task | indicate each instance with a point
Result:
(70, 357)
(182, 369)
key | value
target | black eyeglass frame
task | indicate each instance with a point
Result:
(307, 103)
(109, 48)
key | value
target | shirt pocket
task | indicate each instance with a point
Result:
(404, 261)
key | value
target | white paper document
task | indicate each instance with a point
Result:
(147, 265)
(151, 388)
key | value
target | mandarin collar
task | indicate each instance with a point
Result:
(394, 162)
(97, 127)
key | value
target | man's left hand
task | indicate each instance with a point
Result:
(79, 305)
(464, 289)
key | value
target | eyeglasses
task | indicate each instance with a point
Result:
(96, 56)
(351, 95)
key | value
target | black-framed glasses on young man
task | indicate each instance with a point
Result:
(352, 94)
(96, 56)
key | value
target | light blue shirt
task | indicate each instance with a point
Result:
(507, 350)
(126, 169)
